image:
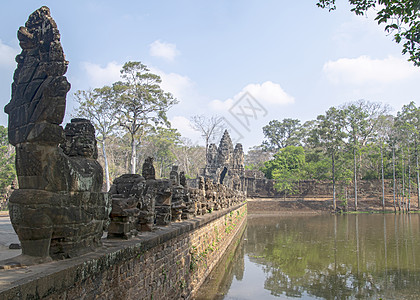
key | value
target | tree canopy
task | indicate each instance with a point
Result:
(401, 17)
(141, 103)
(280, 134)
(358, 140)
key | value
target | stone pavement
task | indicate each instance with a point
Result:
(7, 236)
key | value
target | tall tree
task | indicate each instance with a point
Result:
(98, 106)
(384, 134)
(362, 118)
(141, 103)
(408, 127)
(209, 127)
(280, 134)
(329, 134)
(402, 17)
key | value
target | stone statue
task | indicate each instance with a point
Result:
(126, 193)
(174, 176)
(212, 155)
(182, 179)
(148, 170)
(59, 210)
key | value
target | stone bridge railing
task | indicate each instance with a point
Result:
(141, 202)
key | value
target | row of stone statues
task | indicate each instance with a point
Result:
(141, 202)
(59, 210)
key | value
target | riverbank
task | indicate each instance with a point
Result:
(317, 206)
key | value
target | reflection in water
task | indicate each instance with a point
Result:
(230, 266)
(327, 257)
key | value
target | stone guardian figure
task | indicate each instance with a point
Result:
(59, 210)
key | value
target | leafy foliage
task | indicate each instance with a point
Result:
(141, 103)
(286, 168)
(402, 17)
(355, 141)
(281, 134)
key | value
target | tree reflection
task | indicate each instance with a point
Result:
(338, 257)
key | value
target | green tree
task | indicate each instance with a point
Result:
(287, 168)
(407, 125)
(99, 107)
(142, 104)
(281, 134)
(362, 118)
(383, 134)
(402, 17)
(329, 134)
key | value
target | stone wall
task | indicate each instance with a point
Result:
(320, 189)
(168, 263)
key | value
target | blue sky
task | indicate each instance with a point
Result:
(248, 61)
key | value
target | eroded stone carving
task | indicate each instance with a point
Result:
(126, 194)
(139, 204)
(225, 164)
(58, 210)
(148, 170)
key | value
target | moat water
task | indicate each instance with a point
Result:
(365, 256)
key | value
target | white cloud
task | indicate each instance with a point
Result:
(184, 127)
(267, 93)
(177, 84)
(163, 50)
(221, 105)
(99, 76)
(365, 70)
(7, 55)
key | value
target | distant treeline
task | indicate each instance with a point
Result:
(359, 140)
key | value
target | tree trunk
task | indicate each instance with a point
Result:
(355, 179)
(108, 185)
(383, 179)
(333, 179)
(347, 200)
(393, 175)
(418, 177)
(398, 196)
(133, 156)
(403, 182)
(207, 147)
(409, 182)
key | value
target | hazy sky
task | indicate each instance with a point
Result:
(248, 61)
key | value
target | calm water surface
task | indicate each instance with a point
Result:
(321, 257)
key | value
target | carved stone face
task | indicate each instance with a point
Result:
(80, 139)
(83, 146)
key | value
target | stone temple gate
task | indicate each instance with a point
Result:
(225, 164)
